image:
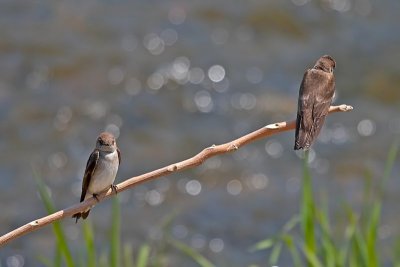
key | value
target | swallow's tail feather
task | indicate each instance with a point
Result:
(302, 140)
(82, 215)
(305, 138)
(301, 137)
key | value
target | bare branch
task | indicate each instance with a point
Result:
(196, 160)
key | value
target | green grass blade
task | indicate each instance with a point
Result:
(390, 161)
(143, 256)
(89, 243)
(263, 245)
(103, 260)
(190, 252)
(128, 255)
(373, 224)
(350, 230)
(307, 209)
(293, 222)
(81, 258)
(374, 214)
(329, 251)
(275, 253)
(289, 242)
(45, 261)
(311, 257)
(115, 238)
(396, 253)
(360, 249)
(58, 257)
(61, 240)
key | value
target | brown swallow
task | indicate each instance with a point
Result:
(101, 169)
(315, 98)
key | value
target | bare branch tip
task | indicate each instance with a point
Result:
(347, 108)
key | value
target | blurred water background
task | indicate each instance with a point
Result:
(170, 78)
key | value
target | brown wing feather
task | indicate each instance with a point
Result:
(315, 97)
(119, 156)
(90, 168)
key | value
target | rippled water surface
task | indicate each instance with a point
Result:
(170, 78)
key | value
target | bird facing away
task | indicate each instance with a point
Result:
(101, 169)
(315, 98)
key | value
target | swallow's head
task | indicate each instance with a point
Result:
(325, 63)
(106, 142)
